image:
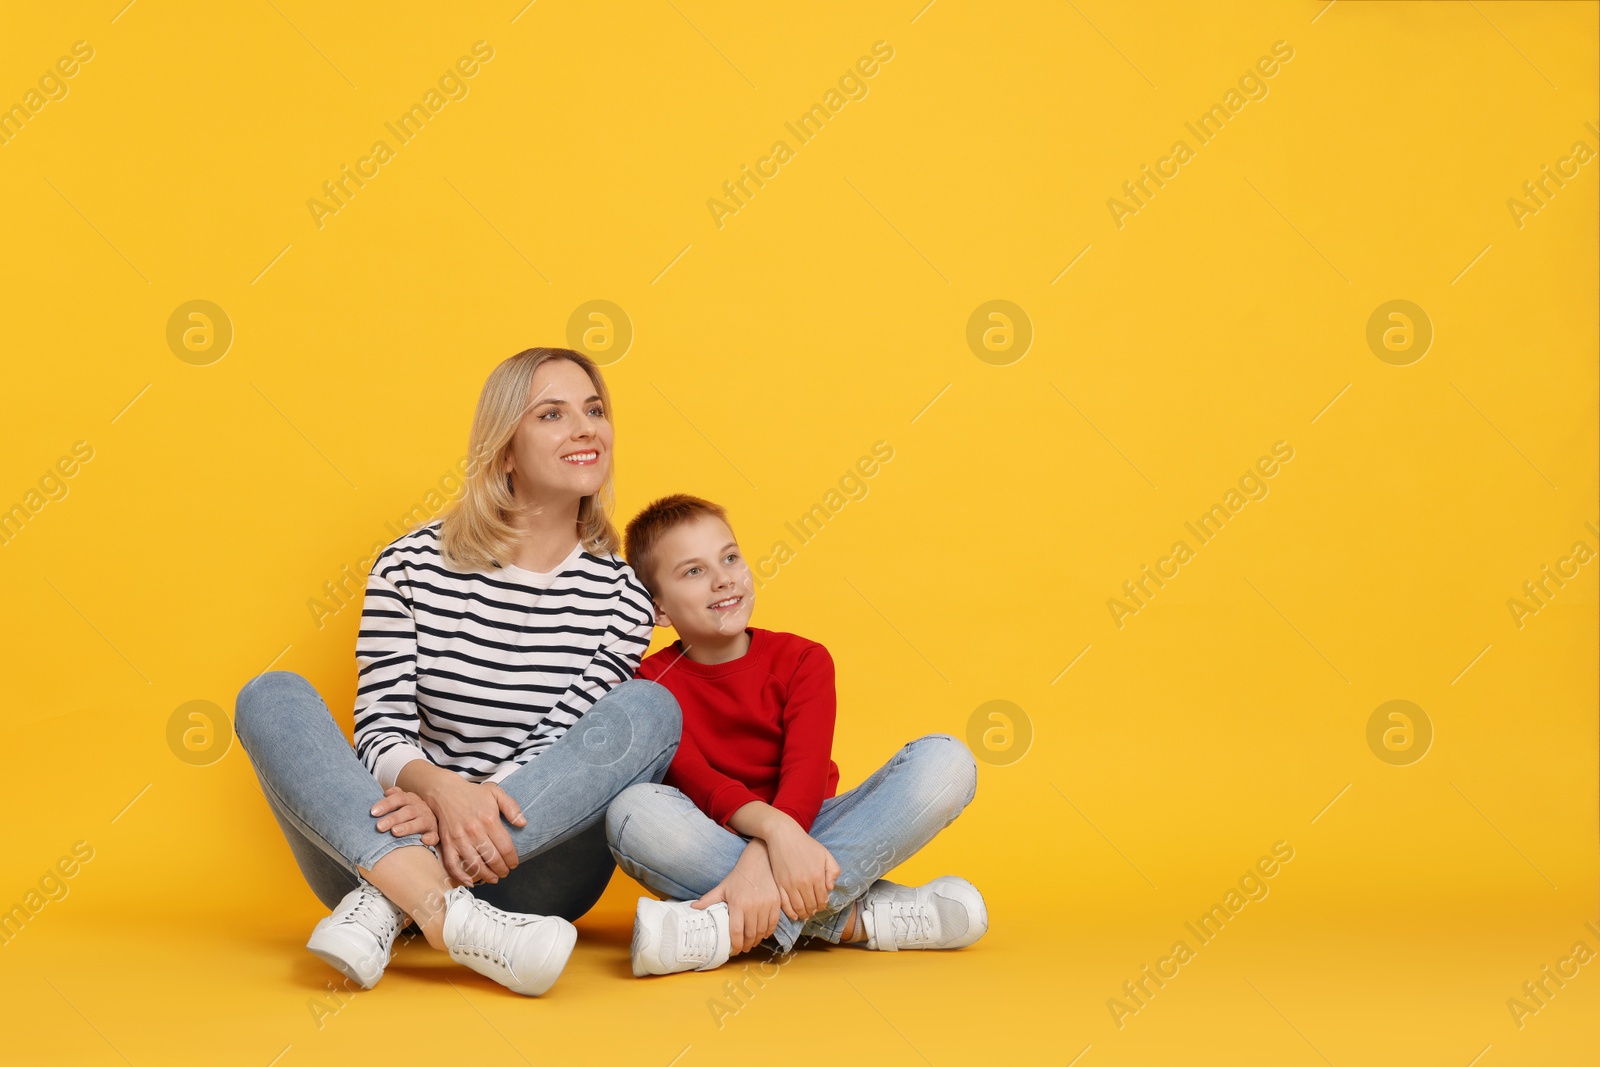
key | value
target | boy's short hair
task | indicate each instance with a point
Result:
(646, 529)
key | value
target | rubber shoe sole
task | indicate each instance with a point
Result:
(345, 954)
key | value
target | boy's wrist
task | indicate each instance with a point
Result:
(772, 823)
(758, 820)
(755, 856)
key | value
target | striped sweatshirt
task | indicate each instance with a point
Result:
(480, 671)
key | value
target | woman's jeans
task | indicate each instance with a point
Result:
(322, 794)
(670, 846)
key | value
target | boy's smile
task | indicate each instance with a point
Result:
(706, 590)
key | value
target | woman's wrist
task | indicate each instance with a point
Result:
(424, 779)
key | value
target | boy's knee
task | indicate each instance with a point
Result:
(949, 766)
(625, 806)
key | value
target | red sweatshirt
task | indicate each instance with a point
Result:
(756, 728)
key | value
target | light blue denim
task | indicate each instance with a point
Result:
(660, 838)
(322, 794)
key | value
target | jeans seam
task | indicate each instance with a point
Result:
(626, 819)
(311, 834)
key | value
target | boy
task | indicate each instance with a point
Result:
(747, 836)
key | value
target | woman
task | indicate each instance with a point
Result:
(496, 715)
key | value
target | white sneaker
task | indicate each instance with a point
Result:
(359, 936)
(524, 953)
(948, 912)
(671, 936)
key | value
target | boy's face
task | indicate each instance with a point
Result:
(706, 590)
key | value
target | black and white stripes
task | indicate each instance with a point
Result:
(478, 672)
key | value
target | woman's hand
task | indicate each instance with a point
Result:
(803, 868)
(474, 844)
(402, 813)
(752, 898)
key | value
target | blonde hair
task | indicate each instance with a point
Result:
(479, 531)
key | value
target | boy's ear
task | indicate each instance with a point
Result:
(661, 614)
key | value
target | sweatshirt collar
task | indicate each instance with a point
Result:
(751, 657)
(527, 577)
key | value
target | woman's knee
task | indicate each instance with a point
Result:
(264, 695)
(653, 710)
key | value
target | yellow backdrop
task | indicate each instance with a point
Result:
(1226, 374)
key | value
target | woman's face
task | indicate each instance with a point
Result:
(562, 448)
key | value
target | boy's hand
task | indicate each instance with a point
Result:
(402, 813)
(752, 898)
(803, 868)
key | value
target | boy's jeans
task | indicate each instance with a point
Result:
(322, 794)
(661, 839)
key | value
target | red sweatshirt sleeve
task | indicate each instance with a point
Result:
(808, 718)
(713, 792)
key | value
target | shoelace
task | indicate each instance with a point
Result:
(370, 911)
(910, 921)
(697, 937)
(486, 931)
